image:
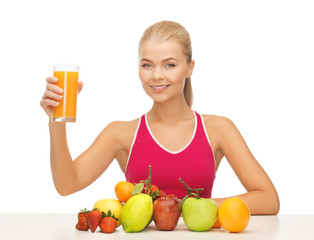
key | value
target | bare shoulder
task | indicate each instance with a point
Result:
(219, 128)
(215, 122)
(121, 132)
(122, 128)
(123, 125)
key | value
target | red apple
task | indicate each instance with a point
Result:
(167, 211)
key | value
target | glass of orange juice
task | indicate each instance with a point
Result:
(67, 76)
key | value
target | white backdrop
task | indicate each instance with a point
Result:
(254, 64)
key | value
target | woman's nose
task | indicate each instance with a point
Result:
(158, 74)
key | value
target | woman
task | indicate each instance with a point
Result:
(174, 139)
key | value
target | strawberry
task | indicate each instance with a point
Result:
(150, 190)
(93, 219)
(108, 224)
(153, 188)
(162, 193)
(82, 224)
(82, 213)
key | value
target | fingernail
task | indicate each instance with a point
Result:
(60, 90)
(55, 79)
(59, 96)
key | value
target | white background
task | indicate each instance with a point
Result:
(254, 64)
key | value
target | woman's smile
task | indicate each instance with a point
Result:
(159, 88)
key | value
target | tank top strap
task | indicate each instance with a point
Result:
(142, 132)
(201, 133)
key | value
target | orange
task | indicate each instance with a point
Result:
(234, 215)
(123, 190)
(216, 224)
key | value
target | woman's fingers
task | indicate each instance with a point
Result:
(79, 86)
(52, 95)
(54, 88)
(48, 103)
(51, 79)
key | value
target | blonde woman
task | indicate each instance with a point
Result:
(174, 139)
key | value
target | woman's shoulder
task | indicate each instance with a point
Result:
(119, 132)
(123, 126)
(215, 119)
(217, 122)
(219, 128)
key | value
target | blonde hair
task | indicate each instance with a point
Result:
(168, 30)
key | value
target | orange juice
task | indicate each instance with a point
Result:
(68, 80)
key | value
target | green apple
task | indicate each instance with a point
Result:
(199, 214)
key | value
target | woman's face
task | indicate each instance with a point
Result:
(163, 69)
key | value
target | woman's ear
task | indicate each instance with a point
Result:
(191, 68)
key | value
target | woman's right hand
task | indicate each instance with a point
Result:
(53, 95)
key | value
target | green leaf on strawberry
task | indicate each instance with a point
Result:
(109, 215)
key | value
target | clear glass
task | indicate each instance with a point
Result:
(67, 76)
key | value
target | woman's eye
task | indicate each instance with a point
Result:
(146, 65)
(170, 65)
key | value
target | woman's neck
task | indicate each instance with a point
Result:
(170, 111)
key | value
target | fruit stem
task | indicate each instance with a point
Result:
(190, 190)
(148, 181)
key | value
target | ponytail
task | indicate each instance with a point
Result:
(188, 92)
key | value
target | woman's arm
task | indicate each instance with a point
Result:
(261, 196)
(71, 176)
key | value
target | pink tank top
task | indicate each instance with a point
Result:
(194, 163)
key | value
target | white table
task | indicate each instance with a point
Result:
(62, 227)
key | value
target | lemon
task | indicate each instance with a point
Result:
(113, 205)
(137, 213)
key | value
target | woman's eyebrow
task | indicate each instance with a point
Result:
(171, 58)
(165, 60)
(145, 59)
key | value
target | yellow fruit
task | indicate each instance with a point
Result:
(113, 205)
(234, 214)
(137, 213)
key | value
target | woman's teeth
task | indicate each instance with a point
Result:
(159, 87)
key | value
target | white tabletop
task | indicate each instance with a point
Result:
(62, 227)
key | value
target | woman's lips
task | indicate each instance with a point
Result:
(159, 88)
